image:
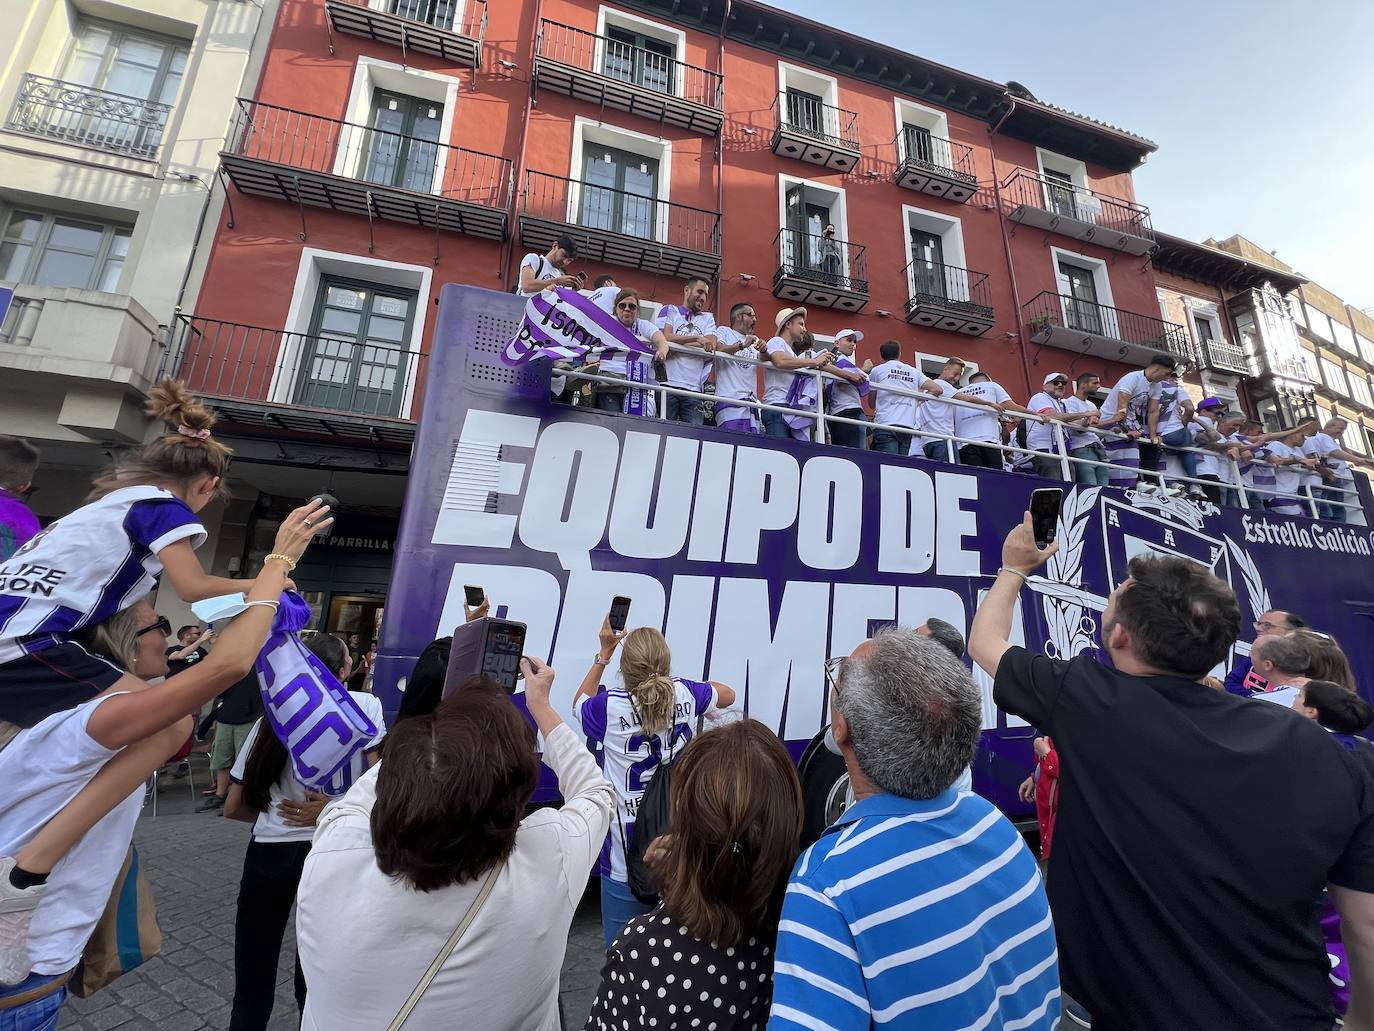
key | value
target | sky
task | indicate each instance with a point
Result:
(1263, 109)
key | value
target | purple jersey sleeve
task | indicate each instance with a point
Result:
(18, 524)
(703, 694)
(591, 713)
(159, 522)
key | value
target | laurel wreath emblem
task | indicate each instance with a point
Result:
(1070, 625)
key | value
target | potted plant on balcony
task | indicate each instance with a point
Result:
(1039, 325)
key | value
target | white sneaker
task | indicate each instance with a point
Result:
(16, 913)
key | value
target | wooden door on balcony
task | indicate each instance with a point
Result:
(1081, 310)
(620, 191)
(927, 265)
(357, 356)
(403, 141)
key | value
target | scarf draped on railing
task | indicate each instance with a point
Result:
(802, 396)
(562, 324)
(313, 714)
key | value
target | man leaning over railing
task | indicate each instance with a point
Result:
(1338, 479)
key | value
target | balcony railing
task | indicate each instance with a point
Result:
(450, 29)
(602, 70)
(934, 165)
(820, 271)
(1064, 321)
(1078, 212)
(88, 117)
(1224, 356)
(948, 297)
(308, 159)
(815, 132)
(308, 374)
(621, 227)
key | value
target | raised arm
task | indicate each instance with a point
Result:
(791, 361)
(725, 695)
(189, 579)
(990, 636)
(530, 283)
(607, 642)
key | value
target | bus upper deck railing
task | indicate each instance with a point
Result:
(1067, 462)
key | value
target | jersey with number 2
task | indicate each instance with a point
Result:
(629, 756)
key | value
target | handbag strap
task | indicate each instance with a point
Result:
(473, 908)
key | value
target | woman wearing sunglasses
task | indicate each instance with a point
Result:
(633, 366)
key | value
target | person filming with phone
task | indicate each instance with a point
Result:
(1170, 868)
(641, 724)
(429, 892)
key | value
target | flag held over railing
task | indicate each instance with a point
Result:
(562, 324)
(306, 707)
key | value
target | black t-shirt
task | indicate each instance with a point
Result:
(1196, 831)
(241, 703)
(175, 666)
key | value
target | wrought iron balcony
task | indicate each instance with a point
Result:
(934, 165)
(280, 380)
(1224, 356)
(820, 271)
(614, 74)
(619, 227)
(88, 117)
(1075, 212)
(1098, 329)
(323, 162)
(948, 297)
(449, 29)
(816, 133)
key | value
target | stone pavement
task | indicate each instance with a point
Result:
(193, 862)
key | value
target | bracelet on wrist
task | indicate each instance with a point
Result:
(1016, 572)
(278, 556)
(599, 661)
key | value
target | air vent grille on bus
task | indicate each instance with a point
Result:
(492, 335)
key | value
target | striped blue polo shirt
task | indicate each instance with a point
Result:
(917, 914)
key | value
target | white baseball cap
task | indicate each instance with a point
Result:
(857, 334)
(1054, 376)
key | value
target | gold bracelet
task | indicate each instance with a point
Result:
(290, 562)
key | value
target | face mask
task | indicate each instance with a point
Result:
(224, 607)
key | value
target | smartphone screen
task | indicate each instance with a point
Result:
(505, 644)
(473, 595)
(1044, 510)
(620, 612)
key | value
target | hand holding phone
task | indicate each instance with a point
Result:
(1044, 511)
(619, 614)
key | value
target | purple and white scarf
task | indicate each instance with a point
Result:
(731, 415)
(844, 362)
(801, 395)
(560, 323)
(638, 401)
(316, 719)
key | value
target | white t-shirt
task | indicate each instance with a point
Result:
(1171, 398)
(89, 565)
(628, 759)
(685, 369)
(1207, 465)
(1287, 478)
(42, 770)
(1080, 437)
(604, 298)
(844, 395)
(1320, 445)
(1040, 435)
(890, 407)
(1141, 391)
(981, 423)
(936, 416)
(269, 825)
(736, 379)
(543, 269)
(365, 938)
(614, 361)
(777, 382)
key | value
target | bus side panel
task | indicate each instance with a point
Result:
(761, 558)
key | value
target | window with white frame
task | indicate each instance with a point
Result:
(1359, 388)
(922, 134)
(400, 122)
(1065, 182)
(48, 249)
(639, 51)
(1345, 336)
(1366, 348)
(1334, 377)
(810, 101)
(933, 364)
(1319, 324)
(623, 177)
(1085, 293)
(808, 209)
(936, 264)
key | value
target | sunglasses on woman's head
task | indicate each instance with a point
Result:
(162, 626)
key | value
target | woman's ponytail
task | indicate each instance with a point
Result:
(645, 665)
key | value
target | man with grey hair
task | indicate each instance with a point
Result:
(921, 906)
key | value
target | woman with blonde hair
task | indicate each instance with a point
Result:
(736, 815)
(640, 725)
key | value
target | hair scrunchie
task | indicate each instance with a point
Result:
(186, 431)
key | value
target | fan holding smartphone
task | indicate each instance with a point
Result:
(476, 604)
(1044, 510)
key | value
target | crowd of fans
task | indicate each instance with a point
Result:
(1144, 432)
(1203, 842)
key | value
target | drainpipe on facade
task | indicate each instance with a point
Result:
(1006, 248)
(518, 173)
(720, 140)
